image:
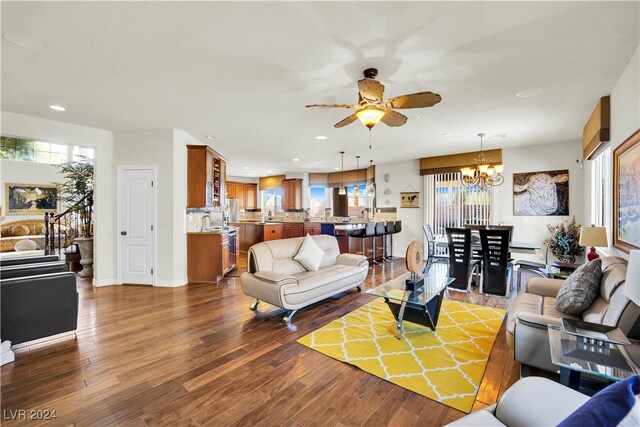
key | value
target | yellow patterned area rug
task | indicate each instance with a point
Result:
(446, 365)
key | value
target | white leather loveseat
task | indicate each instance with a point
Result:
(275, 277)
(531, 401)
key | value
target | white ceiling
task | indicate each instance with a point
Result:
(244, 71)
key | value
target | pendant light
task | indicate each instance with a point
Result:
(342, 190)
(356, 190)
(372, 189)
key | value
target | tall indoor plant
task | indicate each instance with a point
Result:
(77, 193)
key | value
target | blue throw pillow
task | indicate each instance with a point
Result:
(616, 405)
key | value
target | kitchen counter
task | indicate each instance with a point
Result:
(216, 231)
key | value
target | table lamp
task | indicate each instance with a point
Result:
(593, 236)
(632, 283)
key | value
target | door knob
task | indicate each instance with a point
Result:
(123, 233)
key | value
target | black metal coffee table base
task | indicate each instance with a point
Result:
(426, 315)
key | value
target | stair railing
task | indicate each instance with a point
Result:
(68, 225)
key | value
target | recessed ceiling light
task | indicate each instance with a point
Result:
(296, 160)
(322, 137)
(57, 107)
(318, 162)
(528, 93)
(500, 135)
(337, 169)
(246, 167)
(210, 137)
(413, 117)
(264, 176)
(269, 171)
(23, 40)
(446, 134)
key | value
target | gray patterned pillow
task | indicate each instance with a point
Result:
(580, 289)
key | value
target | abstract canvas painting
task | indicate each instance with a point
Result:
(626, 180)
(31, 199)
(541, 193)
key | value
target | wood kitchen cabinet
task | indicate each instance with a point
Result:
(312, 228)
(291, 194)
(210, 255)
(206, 178)
(245, 193)
(272, 232)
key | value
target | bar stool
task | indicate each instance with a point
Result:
(381, 231)
(368, 232)
(391, 229)
(397, 229)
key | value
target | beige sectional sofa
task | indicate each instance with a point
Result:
(534, 309)
(275, 277)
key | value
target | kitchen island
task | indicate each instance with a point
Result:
(211, 254)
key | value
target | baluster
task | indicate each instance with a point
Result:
(52, 233)
(59, 238)
(46, 234)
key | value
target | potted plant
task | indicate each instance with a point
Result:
(77, 193)
(563, 242)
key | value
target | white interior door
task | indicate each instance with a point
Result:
(137, 213)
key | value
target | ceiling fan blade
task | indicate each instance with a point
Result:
(414, 100)
(333, 106)
(371, 90)
(342, 123)
(393, 119)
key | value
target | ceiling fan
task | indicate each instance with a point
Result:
(371, 108)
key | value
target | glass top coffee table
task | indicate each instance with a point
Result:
(415, 298)
(574, 357)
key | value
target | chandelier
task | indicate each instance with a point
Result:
(484, 175)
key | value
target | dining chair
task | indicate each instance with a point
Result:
(496, 268)
(461, 265)
(432, 255)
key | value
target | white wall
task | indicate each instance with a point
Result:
(539, 158)
(153, 147)
(522, 159)
(19, 172)
(625, 120)
(105, 222)
(402, 175)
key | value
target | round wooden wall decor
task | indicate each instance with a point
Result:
(414, 257)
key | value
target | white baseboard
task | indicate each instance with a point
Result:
(105, 282)
(170, 283)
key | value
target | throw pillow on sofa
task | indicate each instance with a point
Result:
(20, 230)
(616, 405)
(580, 289)
(309, 255)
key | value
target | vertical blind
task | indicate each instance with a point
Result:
(455, 205)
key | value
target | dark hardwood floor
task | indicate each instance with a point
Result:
(196, 355)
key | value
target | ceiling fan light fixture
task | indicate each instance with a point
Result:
(370, 115)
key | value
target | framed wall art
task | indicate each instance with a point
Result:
(410, 199)
(544, 193)
(31, 199)
(626, 194)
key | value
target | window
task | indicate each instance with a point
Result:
(357, 204)
(456, 205)
(317, 200)
(272, 201)
(600, 185)
(32, 151)
(82, 153)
